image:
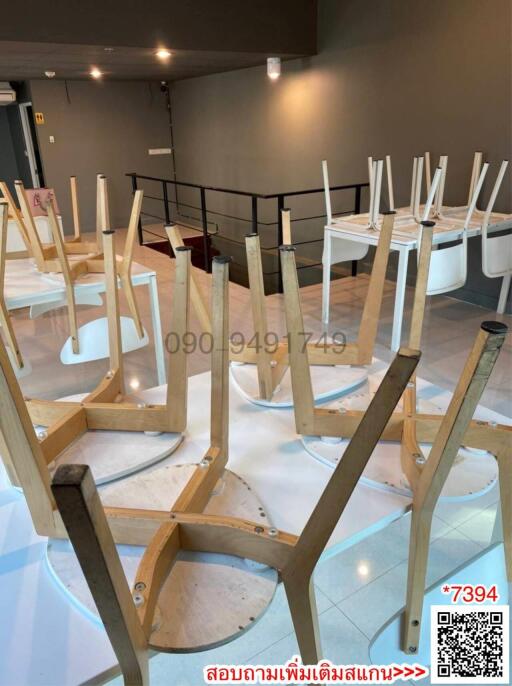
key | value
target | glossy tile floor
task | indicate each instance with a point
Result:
(357, 590)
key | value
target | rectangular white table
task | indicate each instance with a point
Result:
(404, 241)
(25, 286)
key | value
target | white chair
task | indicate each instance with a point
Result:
(448, 266)
(335, 251)
(497, 251)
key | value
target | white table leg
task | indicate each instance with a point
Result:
(398, 315)
(157, 330)
(326, 278)
(505, 287)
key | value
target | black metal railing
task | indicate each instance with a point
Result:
(208, 217)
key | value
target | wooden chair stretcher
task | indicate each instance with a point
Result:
(27, 457)
(129, 615)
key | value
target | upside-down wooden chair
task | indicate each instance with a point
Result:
(271, 361)
(55, 258)
(428, 476)
(5, 319)
(28, 456)
(129, 616)
(446, 433)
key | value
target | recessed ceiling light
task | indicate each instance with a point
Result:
(49, 74)
(108, 49)
(363, 569)
(163, 54)
(96, 73)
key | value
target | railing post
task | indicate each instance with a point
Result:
(166, 203)
(357, 209)
(206, 238)
(280, 207)
(139, 225)
(254, 202)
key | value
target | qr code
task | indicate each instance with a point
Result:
(470, 644)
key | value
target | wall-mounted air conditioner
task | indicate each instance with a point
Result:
(7, 94)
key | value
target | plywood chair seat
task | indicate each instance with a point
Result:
(209, 599)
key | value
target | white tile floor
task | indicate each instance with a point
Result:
(359, 589)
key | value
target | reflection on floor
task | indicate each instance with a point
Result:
(359, 589)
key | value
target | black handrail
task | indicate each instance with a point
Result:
(261, 196)
(254, 220)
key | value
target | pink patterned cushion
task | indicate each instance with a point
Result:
(37, 199)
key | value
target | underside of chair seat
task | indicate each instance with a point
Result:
(208, 600)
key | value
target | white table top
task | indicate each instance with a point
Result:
(405, 234)
(25, 285)
(43, 635)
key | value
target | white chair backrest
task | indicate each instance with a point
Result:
(431, 194)
(389, 175)
(417, 189)
(342, 250)
(475, 172)
(327, 191)
(448, 266)
(438, 202)
(496, 251)
(428, 178)
(375, 190)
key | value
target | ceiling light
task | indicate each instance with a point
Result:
(363, 569)
(96, 73)
(49, 74)
(163, 54)
(273, 67)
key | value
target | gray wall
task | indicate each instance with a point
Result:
(394, 77)
(9, 168)
(103, 128)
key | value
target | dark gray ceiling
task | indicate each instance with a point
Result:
(20, 61)
(205, 36)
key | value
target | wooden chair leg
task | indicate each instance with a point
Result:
(177, 364)
(200, 308)
(112, 300)
(66, 273)
(5, 319)
(297, 352)
(219, 415)
(74, 207)
(372, 306)
(83, 515)
(505, 477)
(131, 300)
(126, 264)
(259, 315)
(448, 440)
(302, 603)
(6, 325)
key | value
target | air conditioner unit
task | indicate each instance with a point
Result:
(7, 94)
